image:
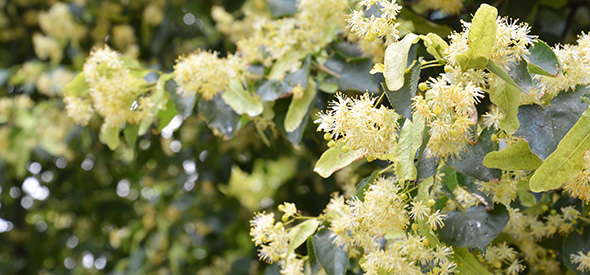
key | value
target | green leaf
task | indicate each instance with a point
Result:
(280, 8)
(471, 161)
(573, 244)
(544, 127)
(364, 185)
(184, 105)
(519, 72)
(241, 100)
(410, 140)
(299, 107)
(542, 59)
(220, 117)
(467, 263)
(300, 233)
(166, 115)
(285, 63)
(352, 74)
(130, 134)
(396, 59)
(332, 257)
(335, 159)
(524, 195)
(110, 136)
(78, 86)
(567, 160)
(423, 25)
(516, 157)
(475, 228)
(401, 100)
(506, 95)
(272, 90)
(482, 36)
(423, 191)
(435, 45)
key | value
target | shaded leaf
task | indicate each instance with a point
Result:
(299, 107)
(220, 117)
(467, 263)
(475, 228)
(506, 95)
(335, 159)
(471, 161)
(423, 25)
(410, 140)
(396, 58)
(272, 90)
(353, 74)
(423, 191)
(401, 100)
(519, 72)
(184, 105)
(567, 160)
(544, 127)
(524, 195)
(332, 257)
(482, 36)
(280, 8)
(516, 157)
(542, 59)
(241, 100)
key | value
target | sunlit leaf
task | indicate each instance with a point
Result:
(396, 58)
(410, 140)
(335, 159)
(299, 107)
(109, 135)
(241, 100)
(516, 157)
(467, 263)
(567, 160)
(482, 36)
(301, 232)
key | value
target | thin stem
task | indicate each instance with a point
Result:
(325, 69)
(379, 100)
(432, 65)
(386, 168)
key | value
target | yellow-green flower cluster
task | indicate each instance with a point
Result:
(527, 229)
(114, 92)
(206, 74)
(574, 61)
(448, 107)
(384, 26)
(377, 226)
(503, 259)
(274, 240)
(582, 260)
(368, 130)
(309, 30)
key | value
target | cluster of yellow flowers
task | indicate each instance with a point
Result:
(370, 131)
(527, 229)
(384, 26)
(206, 74)
(574, 61)
(114, 92)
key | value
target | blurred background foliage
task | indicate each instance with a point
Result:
(178, 201)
